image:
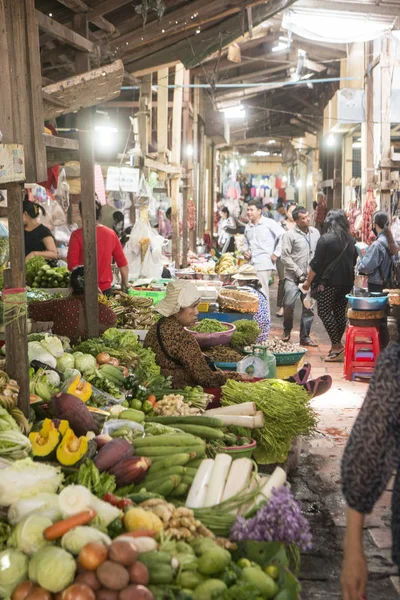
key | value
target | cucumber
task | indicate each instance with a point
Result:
(164, 473)
(130, 414)
(207, 421)
(158, 484)
(162, 451)
(180, 490)
(191, 470)
(165, 440)
(206, 433)
(170, 461)
(162, 575)
(155, 559)
(194, 464)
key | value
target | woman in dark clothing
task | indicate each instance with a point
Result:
(38, 238)
(377, 261)
(332, 271)
(371, 456)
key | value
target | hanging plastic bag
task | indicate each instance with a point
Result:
(154, 261)
(61, 194)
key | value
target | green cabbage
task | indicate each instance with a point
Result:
(25, 478)
(52, 344)
(65, 362)
(85, 363)
(45, 505)
(74, 540)
(52, 379)
(37, 352)
(52, 568)
(13, 570)
(28, 534)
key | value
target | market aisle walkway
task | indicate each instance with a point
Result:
(317, 483)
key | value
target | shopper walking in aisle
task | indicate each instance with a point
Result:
(377, 261)
(108, 248)
(287, 225)
(298, 249)
(262, 246)
(226, 230)
(332, 276)
(371, 456)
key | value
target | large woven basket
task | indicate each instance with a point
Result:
(238, 301)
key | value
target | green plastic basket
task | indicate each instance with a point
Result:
(241, 451)
(155, 296)
(288, 358)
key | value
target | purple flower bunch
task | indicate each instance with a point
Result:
(279, 520)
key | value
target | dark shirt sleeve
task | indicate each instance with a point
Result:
(318, 262)
(190, 355)
(372, 452)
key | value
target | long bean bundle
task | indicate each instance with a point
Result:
(287, 412)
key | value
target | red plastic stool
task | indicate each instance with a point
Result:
(358, 338)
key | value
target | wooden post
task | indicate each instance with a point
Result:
(16, 332)
(187, 172)
(86, 149)
(386, 91)
(367, 128)
(202, 182)
(195, 170)
(145, 117)
(176, 161)
(162, 114)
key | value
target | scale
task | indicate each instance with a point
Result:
(260, 364)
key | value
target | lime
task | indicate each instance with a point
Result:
(243, 563)
(147, 407)
(136, 404)
(272, 571)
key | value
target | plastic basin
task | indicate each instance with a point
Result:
(367, 303)
(207, 340)
(241, 451)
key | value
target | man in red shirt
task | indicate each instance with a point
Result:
(108, 248)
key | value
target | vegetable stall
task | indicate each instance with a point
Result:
(120, 487)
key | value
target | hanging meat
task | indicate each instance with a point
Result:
(370, 207)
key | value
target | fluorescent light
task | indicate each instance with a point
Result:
(234, 112)
(284, 179)
(105, 129)
(331, 141)
(357, 145)
(261, 153)
(105, 135)
(189, 150)
(272, 142)
(243, 162)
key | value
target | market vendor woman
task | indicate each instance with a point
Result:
(38, 238)
(68, 314)
(177, 351)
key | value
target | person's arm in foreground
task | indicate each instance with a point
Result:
(49, 253)
(369, 459)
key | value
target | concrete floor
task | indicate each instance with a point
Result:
(316, 482)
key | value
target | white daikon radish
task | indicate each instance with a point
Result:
(277, 480)
(238, 477)
(237, 420)
(259, 419)
(222, 464)
(248, 409)
(254, 484)
(198, 491)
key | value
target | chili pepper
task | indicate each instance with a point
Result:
(111, 499)
(124, 503)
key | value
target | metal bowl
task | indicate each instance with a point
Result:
(368, 303)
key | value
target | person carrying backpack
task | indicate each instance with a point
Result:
(377, 262)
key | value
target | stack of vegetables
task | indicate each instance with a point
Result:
(39, 274)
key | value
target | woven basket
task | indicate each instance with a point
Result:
(243, 302)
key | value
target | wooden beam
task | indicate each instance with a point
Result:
(349, 7)
(61, 143)
(53, 100)
(80, 7)
(63, 34)
(186, 160)
(176, 160)
(162, 113)
(157, 165)
(154, 69)
(86, 146)
(105, 7)
(17, 362)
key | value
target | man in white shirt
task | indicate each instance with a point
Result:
(262, 243)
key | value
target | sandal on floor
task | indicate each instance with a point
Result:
(335, 356)
(302, 375)
(309, 343)
(285, 337)
(319, 386)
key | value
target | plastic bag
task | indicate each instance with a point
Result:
(61, 195)
(56, 214)
(114, 424)
(144, 252)
(4, 246)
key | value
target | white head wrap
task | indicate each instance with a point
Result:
(180, 294)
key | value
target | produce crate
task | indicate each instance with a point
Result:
(155, 296)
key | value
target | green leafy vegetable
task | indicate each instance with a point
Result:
(86, 363)
(65, 362)
(52, 568)
(76, 538)
(13, 570)
(24, 478)
(44, 504)
(32, 268)
(209, 326)
(246, 333)
(13, 444)
(37, 352)
(287, 411)
(98, 483)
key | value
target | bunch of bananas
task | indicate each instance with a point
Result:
(9, 390)
(227, 265)
(135, 312)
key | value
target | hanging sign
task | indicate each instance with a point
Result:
(12, 165)
(124, 179)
